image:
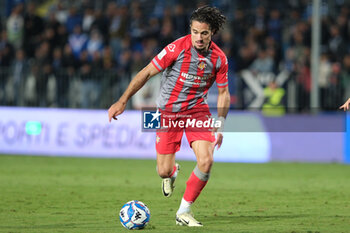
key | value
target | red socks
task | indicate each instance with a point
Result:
(173, 172)
(193, 188)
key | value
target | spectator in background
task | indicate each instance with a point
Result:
(274, 49)
(274, 26)
(259, 21)
(43, 61)
(6, 51)
(88, 19)
(15, 83)
(180, 19)
(342, 23)
(68, 60)
(345, 75)
(73, 19)
(61, 36)
(107, 57)
(154, 28)
(124, 61)
(124, 64)
(97, 77)
(70, 65)
(263, 63)
(125, 47)
(90, 85)
(49, 38)
(6, 57)
(30, 94)
(245, 58)
(61, 13)
(150, 48)
(303, 80)
(77, 41)
(289, 60)
(109, 80)
(33, 28)
(229, 46)
(301, 66)
(334, 92)
(62, 78)
(336, 44)
(239, 25)
(53, 24)
(300, 50)
(325, 70)
(137, 27)
(15, 27)
(166, 34)
(95, 43)
(273, 105)
(96, 62)
(118, 27)
(101, 23)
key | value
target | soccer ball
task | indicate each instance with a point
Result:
(134, 215)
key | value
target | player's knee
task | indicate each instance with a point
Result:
(164, 172)
(205, 164)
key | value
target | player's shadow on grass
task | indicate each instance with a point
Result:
(224, 219)
(63, 226)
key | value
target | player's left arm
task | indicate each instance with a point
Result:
(223, 106)
(223, 103)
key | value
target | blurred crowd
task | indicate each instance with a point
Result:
(82, 54)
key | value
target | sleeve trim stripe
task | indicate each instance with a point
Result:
(155, 63)
(222, 84)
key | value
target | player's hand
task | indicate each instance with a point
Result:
(218, 141)
(346, 105)
(116, 109)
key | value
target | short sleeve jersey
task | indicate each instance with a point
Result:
(188, 75)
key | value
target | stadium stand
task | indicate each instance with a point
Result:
(83, 55)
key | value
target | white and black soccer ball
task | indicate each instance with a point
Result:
(134, 215)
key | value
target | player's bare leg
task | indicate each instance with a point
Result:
(167, 170)
(197, 181)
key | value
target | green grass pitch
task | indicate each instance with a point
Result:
(51, 194)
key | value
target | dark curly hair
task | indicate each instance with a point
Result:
(210, 15)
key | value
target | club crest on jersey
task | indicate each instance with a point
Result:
(171, 47)
(202, 65)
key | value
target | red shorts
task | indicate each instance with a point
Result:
(169, 137)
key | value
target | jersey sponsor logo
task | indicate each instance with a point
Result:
(195, 80)
(196, 77)
(171, 47)
(161, 54)
(202, 65)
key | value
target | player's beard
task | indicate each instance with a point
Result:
(203, 50)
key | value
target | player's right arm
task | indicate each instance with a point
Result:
(346, 105)
(136, 83)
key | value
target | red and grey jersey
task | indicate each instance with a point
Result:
(188, 75)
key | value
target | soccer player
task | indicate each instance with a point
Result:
(346, 105)
(190, 65)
